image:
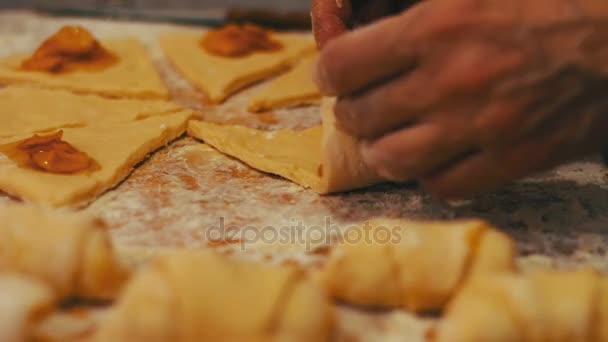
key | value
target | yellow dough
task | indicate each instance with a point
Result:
(414, 265)
(219, 77)
(296, 87)
(133, 76)
(551, 307)
(70, 252)
(117, 148)
(27, 110)
(23, 304)
(207, 297)
(322, 158)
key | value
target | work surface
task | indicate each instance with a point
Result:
(179, 196)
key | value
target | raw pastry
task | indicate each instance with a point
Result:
(23, 304)
(69, 252)
(207, 297)
(322, 158)
(296, 87)
(133, 74)
(414, 265)
(117, 148)
(550, 307)
(28, 110)
(219, 77)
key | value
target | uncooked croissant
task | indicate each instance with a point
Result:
(548, 306)
(69, 252)
(23, 303)
(414, 265)
(206, 297)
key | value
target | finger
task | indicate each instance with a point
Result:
(401, 100)
(415, 151)
(329, 19)
(366, 55)
(501, 120)
(387, 107)
(489, 169)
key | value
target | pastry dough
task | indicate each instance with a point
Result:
(133, 76)
(117, 148)
(69, 252)
(550, 307)
(23, 303)
(27, 110)
(296, 87)
(414, 265)
(207, 297)
(322, 158)
(220, 77)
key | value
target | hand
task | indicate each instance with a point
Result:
(332, 18)
(466, 95)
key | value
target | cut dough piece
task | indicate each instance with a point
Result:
(133, 76)
(70, 252)
(27, 110)
(322, 158)
(23, 304)
(547, 306)
(207, 297)
(117, 148)
(296, 87)
(415, 265)
(219, 77)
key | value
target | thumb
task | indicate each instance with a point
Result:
(329, 19)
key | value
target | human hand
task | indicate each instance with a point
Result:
(466, 95)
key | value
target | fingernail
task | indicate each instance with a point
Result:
(372, 158)
(379, 162)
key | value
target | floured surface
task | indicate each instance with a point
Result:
(176, 197)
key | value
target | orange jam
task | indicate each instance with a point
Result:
(239, 41)
(50, 154)
(71, 48)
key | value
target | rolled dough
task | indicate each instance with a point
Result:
(133, 76)
(23, 303)
(207, 297)
(220, 77)
(540, 306)
(295, 87)
(69, 252)
(322, 158)
(418, 266)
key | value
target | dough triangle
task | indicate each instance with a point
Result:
(322, 158)
(220, 77)
(28, 110)
(117, 148)
(133, 76)
(294, 88)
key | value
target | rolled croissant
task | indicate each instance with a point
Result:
(23, 303)
(414, 265)
(69, 252)
(550, 307)
(206, 297)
